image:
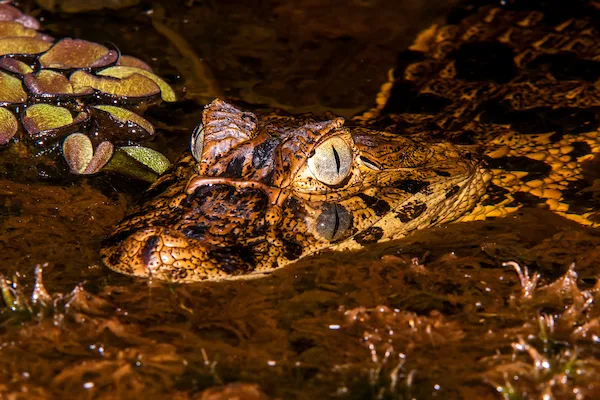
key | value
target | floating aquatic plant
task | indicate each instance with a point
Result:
(71, 89)
(81, 156)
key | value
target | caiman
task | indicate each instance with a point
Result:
(496, 110)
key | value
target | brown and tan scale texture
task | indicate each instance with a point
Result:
(260, 193)
(523, 85)
(489, 114)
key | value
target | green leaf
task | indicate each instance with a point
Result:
(8, 125)
(125, 116)
(166, 92)
(149, 157)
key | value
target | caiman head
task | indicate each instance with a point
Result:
(257, 193)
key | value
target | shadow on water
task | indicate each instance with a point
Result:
(436, 314)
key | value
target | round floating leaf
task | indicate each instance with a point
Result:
(10, 13)
(166, 93)
(125, 117)
(11, 89)
(118, 125)
(129, 61)
(8, 125)
(48, 82)
(124, 164)
(15, 29)
(43, 117)
(15, 66)
(78, 152)
(23, 45)
(45, 120)
(135, 85)
(80, 156)
(102, 155)
(77, 53)
(149, 157)
(51, 83)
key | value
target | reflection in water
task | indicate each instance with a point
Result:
(334, 222)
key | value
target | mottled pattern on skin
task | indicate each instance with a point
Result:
(525, 86)
(249, 202)
(495, 111)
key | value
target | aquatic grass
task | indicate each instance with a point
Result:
(393, 338)
(26, 307)
(552, 357)
(532, 371)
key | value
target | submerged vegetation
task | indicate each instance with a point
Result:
(390, 327)
(554, 353)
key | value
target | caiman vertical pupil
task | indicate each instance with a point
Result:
(337, 158)
(334, 222)
(331, 161)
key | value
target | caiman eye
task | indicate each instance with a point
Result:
(197, 142)
(334, 222)
(332, 161)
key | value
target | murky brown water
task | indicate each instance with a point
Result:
(435, 315)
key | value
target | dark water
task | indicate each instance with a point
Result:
(435, 315)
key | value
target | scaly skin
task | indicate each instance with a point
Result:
(252, 204)
(479, 119)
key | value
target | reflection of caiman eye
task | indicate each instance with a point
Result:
(334, 222)
(197, 142)
(332, 161)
